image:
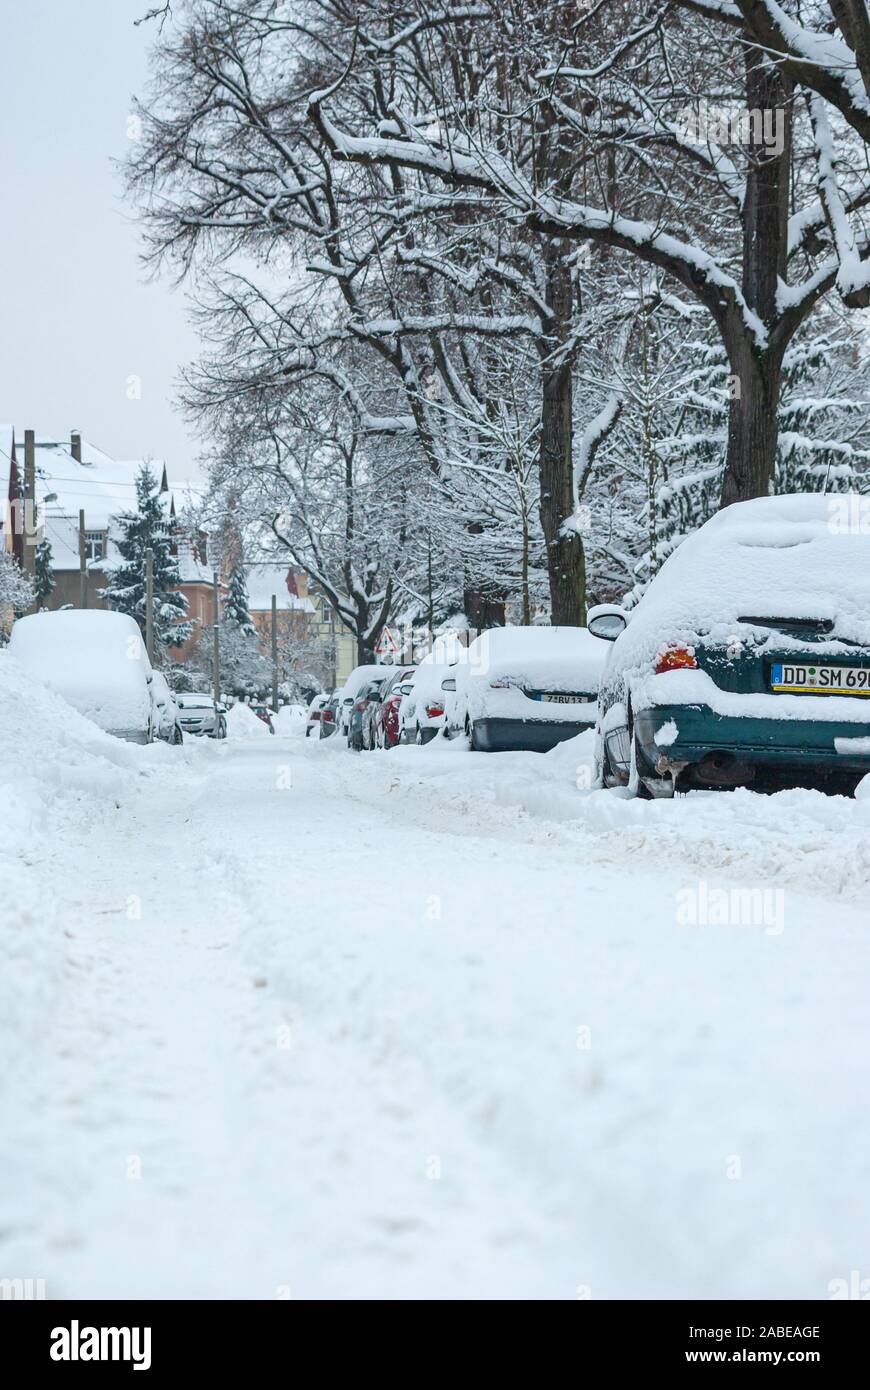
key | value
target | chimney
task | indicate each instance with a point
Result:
(75, 445)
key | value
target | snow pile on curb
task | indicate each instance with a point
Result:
(49, 751)
(54, 763)
(290, 721)
(243, 723)
(797, 838)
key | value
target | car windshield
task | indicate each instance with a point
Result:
(195, 702)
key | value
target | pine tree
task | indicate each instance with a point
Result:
(44, 571)
(144, 527)
(236, 605)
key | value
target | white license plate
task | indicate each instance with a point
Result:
(554, 697)
(799, 679)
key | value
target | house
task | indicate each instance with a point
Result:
(304, 619)
(75, 478)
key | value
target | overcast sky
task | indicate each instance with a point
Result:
(79, 317)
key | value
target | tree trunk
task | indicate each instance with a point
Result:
(565, 559)
(482, 612)
(753, 425)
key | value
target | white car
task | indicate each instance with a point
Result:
(528, 687)
(359, 677)
(427, 707)
(198, 714)
(96, 661)
(167, 719)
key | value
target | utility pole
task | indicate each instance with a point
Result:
(83, 564)
(149, 604)
(216, 656)
(28, 523)
(274, 653)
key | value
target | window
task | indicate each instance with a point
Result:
(95, 545)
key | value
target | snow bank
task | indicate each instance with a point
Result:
(56, 767)
(290, 721)
(48, 750)
(243, 723)
(798, 838)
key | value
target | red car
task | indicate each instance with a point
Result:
(265, 714)
(382, 724)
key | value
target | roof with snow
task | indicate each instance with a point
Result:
(265, 580)
(100, 486)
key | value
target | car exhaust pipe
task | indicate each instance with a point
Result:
(722, 770)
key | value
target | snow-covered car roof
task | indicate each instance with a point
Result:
(537, 654)
(799, 555)
(360, 676)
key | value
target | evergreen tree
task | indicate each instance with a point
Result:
(236, 605)
(44, 572)
(144, 527)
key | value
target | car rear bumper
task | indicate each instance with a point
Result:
(670, 735)
(524, 735)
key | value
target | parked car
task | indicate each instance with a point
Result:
(329, 715)
(528, 687)
(747, 661)
(166, 720)
(199, 714)
(359, 676)
(369, 693)
(95, 660)
(315, 710)
(264, 714)
(424, 709)
(381, 717)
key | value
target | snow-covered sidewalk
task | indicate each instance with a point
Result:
(435, 1024)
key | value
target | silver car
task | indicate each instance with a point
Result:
(167, 722)
(199, 714)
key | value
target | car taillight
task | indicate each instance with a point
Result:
(676, 659)
(328, 717)
(434, 710)
(315, 714)
(503, 684)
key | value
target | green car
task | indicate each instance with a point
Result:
(747, 661)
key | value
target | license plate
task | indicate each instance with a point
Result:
(554, 697)
(798, 679)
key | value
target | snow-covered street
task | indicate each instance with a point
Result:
(431, 1023)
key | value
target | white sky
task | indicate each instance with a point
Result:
(79, 317)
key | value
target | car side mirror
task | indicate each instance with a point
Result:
(449, 683)
(606, 621)
(348, 700)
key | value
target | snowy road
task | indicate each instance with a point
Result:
(351, 1027)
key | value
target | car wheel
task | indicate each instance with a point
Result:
(418, 737)
(605, 772)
